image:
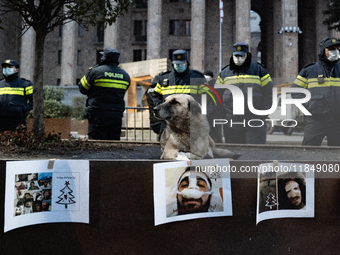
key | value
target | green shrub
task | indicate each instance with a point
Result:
(53, 108)
(78, 108)
(53, 93)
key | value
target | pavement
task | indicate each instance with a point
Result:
(281, 138)
(276, 138)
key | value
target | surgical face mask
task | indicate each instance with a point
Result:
(238, 60)
(208, 78)
(180, 68)
(191, 189)
(333, 55)
(8, 71)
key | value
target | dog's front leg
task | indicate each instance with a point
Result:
(170, 151)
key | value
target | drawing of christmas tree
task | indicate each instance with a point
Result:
(271, 201)
(66, 196)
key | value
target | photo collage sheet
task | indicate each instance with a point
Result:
(33, 193)
(36, 194)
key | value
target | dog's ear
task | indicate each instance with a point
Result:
(194, 106)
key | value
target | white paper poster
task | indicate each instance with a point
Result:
(285, 190)
(183, 192)
(36, 194)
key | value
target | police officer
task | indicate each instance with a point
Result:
(176, 81)
(105, 86)
(214, 109)
(244, 74)
(16, 97)
(322, 79)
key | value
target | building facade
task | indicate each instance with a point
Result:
(285, 38)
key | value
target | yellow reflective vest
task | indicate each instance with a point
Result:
(322, 79)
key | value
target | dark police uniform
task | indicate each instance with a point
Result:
(105, 86)
(249, 75)
(322, 79)
(16, 99)
(171, 82)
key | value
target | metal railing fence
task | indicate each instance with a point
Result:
(136, 125)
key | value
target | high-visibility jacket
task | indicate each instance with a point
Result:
(171, 82)
(322, 79)
(105, 86)
(16, 98)
(249, 75)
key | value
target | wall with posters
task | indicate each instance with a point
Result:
(122, 220)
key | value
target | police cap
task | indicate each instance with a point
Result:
(240, 48)
(110, 55)
(10, 62)
(328, 42)
(179, 57)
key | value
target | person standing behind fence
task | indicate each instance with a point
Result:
(105, 86)
(176, 81)
(16, 97)
(322, 79)
(214, 111)
(244, 73)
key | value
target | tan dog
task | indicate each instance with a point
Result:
(186, 135)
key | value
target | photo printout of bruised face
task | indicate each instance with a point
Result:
(193, 193)
(294, 193)
(290, 193)
(183, 192)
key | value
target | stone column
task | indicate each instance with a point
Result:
(197, 34)
(110, 36)
(27, 55)
(68, 54)
(242, 18)
(290, 51)
(277, 40)
(154, 29)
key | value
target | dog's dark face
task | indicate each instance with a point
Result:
(177, 106)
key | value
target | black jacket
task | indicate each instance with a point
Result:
(16, 98)
(105, 86)
(249, 75)
(171, 82)
(322, 79)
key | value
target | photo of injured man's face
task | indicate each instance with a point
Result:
(193, 193)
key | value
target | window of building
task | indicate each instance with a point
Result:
(59, 57)
(188, 1)
(77, 80)
(137, 55)
(98, 56)
(187, 27)
(174, 27)
(58, 82)
(60, 30)
(173, 1)
(141, 4)
(140, 30)
(138, 27)
(100, 32)
(80, 30)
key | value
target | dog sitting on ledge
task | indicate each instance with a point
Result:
(186, 135)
